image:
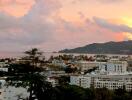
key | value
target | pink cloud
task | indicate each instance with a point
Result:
(71, 35)
(41, 26)
(16, 8)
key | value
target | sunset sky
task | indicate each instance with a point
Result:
(52, 25)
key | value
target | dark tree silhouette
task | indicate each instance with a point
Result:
(26, 73)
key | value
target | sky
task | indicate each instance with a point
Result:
(53, 25)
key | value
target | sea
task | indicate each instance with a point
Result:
(47, 55)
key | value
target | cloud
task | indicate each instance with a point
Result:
(113, 27)
(82, 16)
(16, 8)
(42, 26)
(20, 8)
(100, 1)
(74, 34)
(36, 30)
(110, 1)
(33, 28)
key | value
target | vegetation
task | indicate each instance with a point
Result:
(90, 70)
(124, 47)
(26, 73)
(72, 92)
(68, 69)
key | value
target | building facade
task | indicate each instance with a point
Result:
(82, 81)
(3, 66)
(114, 66)
(111, 82)
(86, 65)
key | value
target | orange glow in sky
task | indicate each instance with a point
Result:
(73, 23)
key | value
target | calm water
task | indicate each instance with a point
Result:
(47, 54)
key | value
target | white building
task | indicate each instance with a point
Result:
(99, 81)
(55, 73)
(58, 63)
(3, 66)
(114, 66)
(81, 81)
(4, 69)
(86, 65)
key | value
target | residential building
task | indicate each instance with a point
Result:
(81, 81)
(129, 67)
(114, 66)
(109, 81)
(3, 66)
(4, 69)
(86, 65)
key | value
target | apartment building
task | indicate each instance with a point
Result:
(114, 66)
(82, 81)
(86, 65)
(111, 82)
(3, 66)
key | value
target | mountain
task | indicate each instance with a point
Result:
(123, 47)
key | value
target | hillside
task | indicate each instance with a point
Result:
(123, 47)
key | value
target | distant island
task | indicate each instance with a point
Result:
(123, 47)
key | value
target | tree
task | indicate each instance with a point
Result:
(68, 92)
(64, 80)
(33, 57)
(69, 69)
(90, 70)
(103, 94)
(121, 94)
(26, 73)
